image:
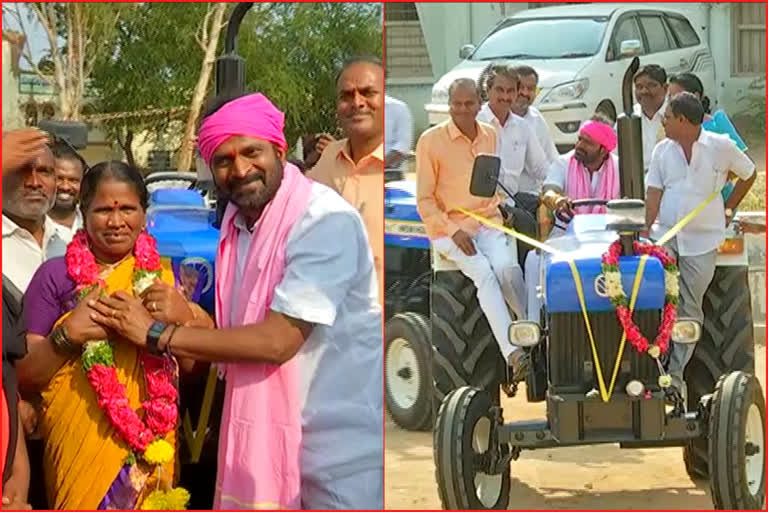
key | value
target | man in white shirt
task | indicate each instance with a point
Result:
(69, 168)
(530, 184)
(516, 146)
(686, 168)
(398, 136)
(29, 236)
(651, 93)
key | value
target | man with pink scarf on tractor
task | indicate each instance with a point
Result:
(589, 171)
(299, 338)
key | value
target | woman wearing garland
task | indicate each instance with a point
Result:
(99, 451)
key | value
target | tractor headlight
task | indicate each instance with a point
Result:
(635, 388)
(686, 330)
(524, 333)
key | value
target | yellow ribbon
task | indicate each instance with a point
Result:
(605, 393)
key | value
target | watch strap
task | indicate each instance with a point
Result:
(153, 336)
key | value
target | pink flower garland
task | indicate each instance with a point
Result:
(160, 408)
(610, 263)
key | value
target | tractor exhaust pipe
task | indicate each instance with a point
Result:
(230, 67)
(631, 171)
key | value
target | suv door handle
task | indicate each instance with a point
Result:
(683, 62)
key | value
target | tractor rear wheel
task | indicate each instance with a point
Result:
(726, 344)
(465, 351)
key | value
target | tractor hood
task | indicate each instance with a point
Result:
(402, 224)
(585, 241)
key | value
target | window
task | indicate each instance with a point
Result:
(656, 34)
(407, 55)
(548, 38)
(748, 43)
(626, 29)
(684, 31)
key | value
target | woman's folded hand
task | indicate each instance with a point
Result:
(123, 313)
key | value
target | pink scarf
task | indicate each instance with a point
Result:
(259, 449)
(580, 184)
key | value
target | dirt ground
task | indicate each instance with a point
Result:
(590, 477)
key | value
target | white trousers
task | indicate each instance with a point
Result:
(498, 277)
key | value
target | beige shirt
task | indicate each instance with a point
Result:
(362, 185)
(444, 160)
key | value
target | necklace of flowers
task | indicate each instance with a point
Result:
(161, 413)
(615, 291)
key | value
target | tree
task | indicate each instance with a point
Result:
(77, 34)
(294, 55)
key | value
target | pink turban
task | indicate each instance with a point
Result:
(253, 116)
(601, 133)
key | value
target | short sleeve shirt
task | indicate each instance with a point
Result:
(330, 282)
(684, 186)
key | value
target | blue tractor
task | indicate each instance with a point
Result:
(445, 370)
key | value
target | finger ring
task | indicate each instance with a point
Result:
(154, 305)
(114, 313)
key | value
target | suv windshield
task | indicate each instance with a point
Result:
(557, 38)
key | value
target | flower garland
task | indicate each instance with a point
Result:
(161, 413)
(615, 291)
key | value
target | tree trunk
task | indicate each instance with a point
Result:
(126, 144)
(209, 59)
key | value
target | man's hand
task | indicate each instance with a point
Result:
(323, 139)
(13, 495)
(465, 243)
(564, 206)
(744, 226)
(21, 147)
(28, 416)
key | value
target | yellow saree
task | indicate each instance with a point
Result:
(83, 455)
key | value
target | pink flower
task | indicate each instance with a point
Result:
(145, 251)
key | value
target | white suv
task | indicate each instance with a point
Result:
(581, 53)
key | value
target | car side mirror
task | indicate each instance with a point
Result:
(75, 133)
(630, 48)
(485, 175)
(466, 51)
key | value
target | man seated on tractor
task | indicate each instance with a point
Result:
(517, 146)
(589, 171)
(686, 170)
(445, 156)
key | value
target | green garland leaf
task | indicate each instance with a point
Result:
(99, 352)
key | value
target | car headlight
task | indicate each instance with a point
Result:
(524, 334)
(439, 95)
(686, 330)
(567, 92)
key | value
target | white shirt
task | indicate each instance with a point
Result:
(330, 282)
(652, 131)
(518, 148)
(686, 185)
(558, 172)
(528, 180)
(398, 125)
(68, 233)
(22, 255)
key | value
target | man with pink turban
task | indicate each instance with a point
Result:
(299, 338)
(589, 171)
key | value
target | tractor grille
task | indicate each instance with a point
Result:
(571, 367)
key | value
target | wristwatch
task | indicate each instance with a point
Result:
(153, 336)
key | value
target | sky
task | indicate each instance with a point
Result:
(38, 42)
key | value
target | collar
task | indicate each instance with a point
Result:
(345, 152)
(454, 132)
(659, 113)
(487, 116)
(50, 228)
(704, 138)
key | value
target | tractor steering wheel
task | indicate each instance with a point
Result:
(579, 202)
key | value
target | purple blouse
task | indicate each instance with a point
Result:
(50, 294)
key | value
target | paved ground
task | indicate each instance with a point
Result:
(593, 477)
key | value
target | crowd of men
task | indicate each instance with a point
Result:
(684, 163)
(321, 301)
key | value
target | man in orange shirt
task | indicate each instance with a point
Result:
(445, 155)
(354, 166)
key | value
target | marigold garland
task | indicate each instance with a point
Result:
(160, 410)
(615, 291)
